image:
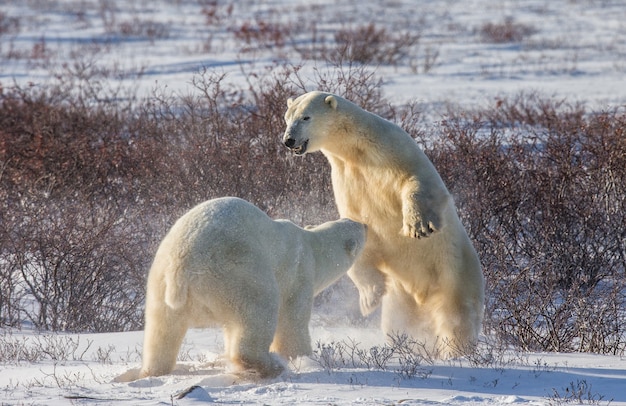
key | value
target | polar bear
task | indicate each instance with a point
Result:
(226, 262)
(418, 260)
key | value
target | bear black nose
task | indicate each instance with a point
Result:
(290, 142)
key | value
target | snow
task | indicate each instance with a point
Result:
(89, 374)
(577, 52)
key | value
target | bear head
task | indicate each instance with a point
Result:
(353, 235)
(310, 121)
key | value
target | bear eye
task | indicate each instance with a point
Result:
(306, 118)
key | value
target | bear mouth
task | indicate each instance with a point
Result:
(301, 149)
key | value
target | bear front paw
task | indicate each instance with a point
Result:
(418, 229)
(370, 298)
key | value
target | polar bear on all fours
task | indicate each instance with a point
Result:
(418, 260)
(227, 262)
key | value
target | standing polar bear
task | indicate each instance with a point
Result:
(418, 260)
(227, 262)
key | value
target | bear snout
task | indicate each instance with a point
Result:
(289, 142)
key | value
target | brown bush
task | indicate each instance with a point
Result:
(541, 190)
(263, 34)
(8, 25)
(68, 254)
(370, 44)
(505, 32)
(89, 187)
(366, 44)
(75, 269)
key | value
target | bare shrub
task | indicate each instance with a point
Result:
(411, 356)
(331, 356)
(348, 353)
(68, 256)
(402, 354)
(370, 44)
(579, 393)
(108, 13)
(357, 83)
(545, 200)
(8, 25)
(90, 186)
(317, 44)
(376, 357)
(143, 28)
(428, 60)
(79, 268)
(225, 140)
(215, 11)
(261, 33)
(505, 32)
(14, 350)
(55, 347)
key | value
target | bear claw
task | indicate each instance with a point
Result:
(418, 231)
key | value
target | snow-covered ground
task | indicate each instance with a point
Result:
(92, 362)
(574, 50)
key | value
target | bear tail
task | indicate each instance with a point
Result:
(176, 285)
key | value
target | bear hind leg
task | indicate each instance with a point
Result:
(403, 317)
(249, 341)
(292, 338)
(249, 350)
(370, 282)
(458, 324)
(163, 335)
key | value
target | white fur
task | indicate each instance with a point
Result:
(418, 260)
(227, 262)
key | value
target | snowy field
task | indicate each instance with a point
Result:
(95, 361)
(569, 49)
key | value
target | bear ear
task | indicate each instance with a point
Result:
(331, 101)
(289, 102)
(351, 247)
